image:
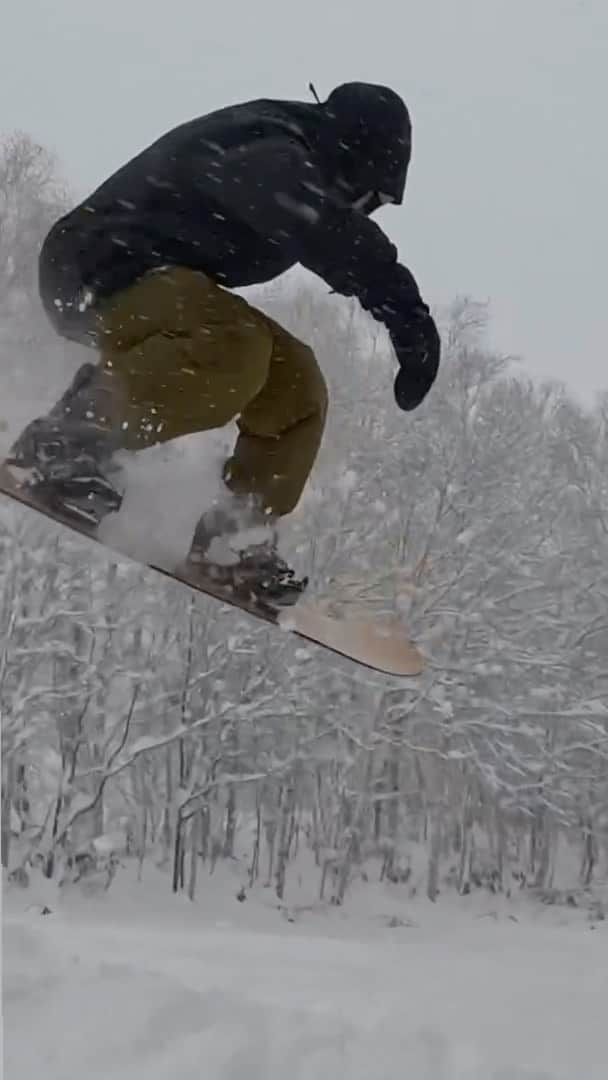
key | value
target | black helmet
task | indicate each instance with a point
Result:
(366, 143)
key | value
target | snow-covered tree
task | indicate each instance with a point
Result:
(190, 733)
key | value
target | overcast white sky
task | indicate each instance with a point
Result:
(508, 186)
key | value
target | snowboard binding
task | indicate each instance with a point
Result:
(68, 467)
(254, 570)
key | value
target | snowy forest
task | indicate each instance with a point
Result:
(142, 723)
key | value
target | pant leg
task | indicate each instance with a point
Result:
(281, 428)
(178, 355)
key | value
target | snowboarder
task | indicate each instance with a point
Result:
(142, 271)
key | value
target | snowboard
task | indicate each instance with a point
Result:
(375, 643)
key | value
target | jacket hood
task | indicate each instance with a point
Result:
(365, 137)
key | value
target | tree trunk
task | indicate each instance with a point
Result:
(255, 858)
(178, 855)
(271, 832)
(205, 831)
(196, 824)
(345, 869)
(8, 792)
(432, 882)
(283, 852)
(167, 826)
(501, 843)
(392, 812)
(589, 853)
(466, 845)
(230, 831)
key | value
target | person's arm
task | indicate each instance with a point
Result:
(353, 255)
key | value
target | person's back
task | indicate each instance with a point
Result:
(141, 270)
(169, 205)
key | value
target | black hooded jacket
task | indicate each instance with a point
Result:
(245, 193)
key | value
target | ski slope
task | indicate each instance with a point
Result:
(134, 985)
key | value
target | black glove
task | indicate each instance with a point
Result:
(418, 352)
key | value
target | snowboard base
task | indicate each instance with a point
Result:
(378, 644)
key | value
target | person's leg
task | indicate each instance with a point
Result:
(190, 356)
(185, 355)
(280, 432)
(207, 357)
(281, 428)
(177, 354)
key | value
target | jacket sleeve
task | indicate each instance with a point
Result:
(275, 188)
(353, 255)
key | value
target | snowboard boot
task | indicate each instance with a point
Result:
(67, 468)
(65, 458)
(237, 547)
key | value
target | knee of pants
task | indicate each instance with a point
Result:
(275, 462)
(310, 387)
(295, 392)
(314, 400)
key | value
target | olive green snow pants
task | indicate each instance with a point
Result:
(179, 354)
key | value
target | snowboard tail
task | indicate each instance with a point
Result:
(377, 644)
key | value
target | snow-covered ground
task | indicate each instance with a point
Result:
(134, 983)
